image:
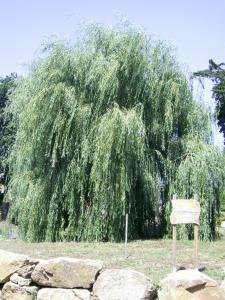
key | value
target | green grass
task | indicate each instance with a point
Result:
(6, 230)
(152, 257)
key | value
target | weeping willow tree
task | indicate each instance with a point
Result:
(200, 172)
(101, 124)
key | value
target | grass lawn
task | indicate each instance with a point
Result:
(152, 257)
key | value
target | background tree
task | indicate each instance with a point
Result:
(216, 72)
(103, 124)
(7, 131)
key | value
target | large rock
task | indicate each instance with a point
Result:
(10, 263)
(62, 294)
(118, 284)
(12, 291)
(67, 272)
(187, 279)
(56, 294)
(189, 285)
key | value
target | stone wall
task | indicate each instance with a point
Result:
(24, 278)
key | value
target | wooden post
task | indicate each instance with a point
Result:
(174, 247)
(126, 234)
(196, 240)
(196, 246)
(174, 259)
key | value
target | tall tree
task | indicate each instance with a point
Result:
(7, 131)
(216, 72)
(102, 124)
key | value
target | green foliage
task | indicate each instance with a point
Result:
(5, 230)
(222, 202)
(101, 124)
(216, 72)
(7, 131)
(201, 172)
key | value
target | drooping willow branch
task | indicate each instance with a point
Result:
(101, 124)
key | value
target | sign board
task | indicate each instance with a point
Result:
(185, 211)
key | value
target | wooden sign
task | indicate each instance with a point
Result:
(185, 211)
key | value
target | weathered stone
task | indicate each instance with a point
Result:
(222, 286)
(82, 294)
(57, 294)
(15, 278)
(66, 272)
(189, 285)
(26, 271)
(123, 285)
(12, 291)
(208, 293)
(63, 294)
(10, 263)
(188, 279)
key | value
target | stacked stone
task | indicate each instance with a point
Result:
(23, 278)
(15, 276)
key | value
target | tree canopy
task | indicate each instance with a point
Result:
(216, 72)
(105, 124)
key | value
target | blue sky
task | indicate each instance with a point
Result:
(195, 28)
